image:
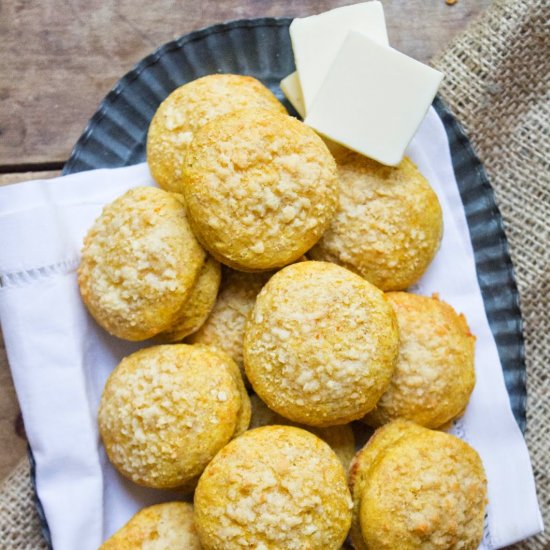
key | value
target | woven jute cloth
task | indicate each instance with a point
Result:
(19, 523)
(498, 85)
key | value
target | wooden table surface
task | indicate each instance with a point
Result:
(59, 58)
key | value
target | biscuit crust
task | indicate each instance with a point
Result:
(389, 223)
(158, 527)
(166, 411)
(417, 488)
(340, 438)
(362, 463)
(320, 345)
(434, 375)
(139, 263)
(274, 487)
(190, 107)
(224, 327)
(245, 412)
(260, 188)
(196, 309)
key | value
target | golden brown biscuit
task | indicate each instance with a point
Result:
(389, 223)
(190, 107)
(168, 526)
(224, 328)
(320, 345)
(361, 465)
(167, 410)
(260, 188)
(434, 375)
(340, 438)
(139, 263)
(198, 306)
(272, 488)
(245, 412)
(417, 488)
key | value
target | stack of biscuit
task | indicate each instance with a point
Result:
(214, 257)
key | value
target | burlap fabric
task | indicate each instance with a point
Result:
(19, 524)
(498, 84)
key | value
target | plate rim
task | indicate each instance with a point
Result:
(152, 58)
(455, 132)
(456, 135)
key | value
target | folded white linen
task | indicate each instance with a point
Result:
(60, 358)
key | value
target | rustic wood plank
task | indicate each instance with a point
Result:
(59, 58)
(17, 177)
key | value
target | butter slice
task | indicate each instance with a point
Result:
(373, 99)
(293, 92)
(317, 39)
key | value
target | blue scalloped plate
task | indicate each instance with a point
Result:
(116, 135)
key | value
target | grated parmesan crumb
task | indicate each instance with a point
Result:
(434, 374)
(224, 328)
(274, 487)
(167, 410)
(190, 107)
(260, 188)
(170, 525)
(388, 225)
(139, 263)
(320, 345)
(196, 308)
(430, 485)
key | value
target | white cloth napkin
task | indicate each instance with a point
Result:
(60, 358)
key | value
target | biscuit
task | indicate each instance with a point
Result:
(245, 412)
(320, 345)
(389, 223)
(260, 188)
(417, 488)
(340, 438)
(160, 527)
(361, 465)
(139, 263)
(224, 328)
(166, 411)
(434, 374)
(197, 307)
(274, 487)
(190, 107)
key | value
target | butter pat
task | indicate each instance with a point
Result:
(293, 92)
(373, 99)
(317, 39)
